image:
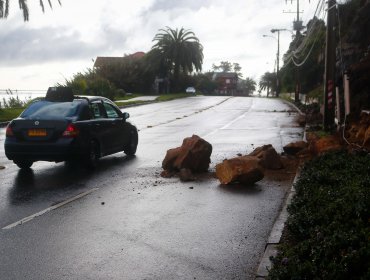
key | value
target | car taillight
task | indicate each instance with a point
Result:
(9, 131)
(71, 131)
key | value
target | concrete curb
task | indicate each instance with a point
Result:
(294, 106)
(275, 235)
(273, 241)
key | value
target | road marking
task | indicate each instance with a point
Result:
(38, 214)
(226, 125)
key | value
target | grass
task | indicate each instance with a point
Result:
(128, 103)
(128, 97)
(7, 114)
(172, 96)
(160, 98)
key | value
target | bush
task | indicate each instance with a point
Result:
(328, 226)
(13, 101)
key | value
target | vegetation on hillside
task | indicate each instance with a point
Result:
(353, 56)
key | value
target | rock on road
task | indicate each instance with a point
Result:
(132, 224)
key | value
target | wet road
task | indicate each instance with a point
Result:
(124, 221)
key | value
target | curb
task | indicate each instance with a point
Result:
(273, 241)
(293, 105)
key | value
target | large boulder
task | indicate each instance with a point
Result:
(169, 160)
(366, 142)
(245, 170)
(268, 156)
(295, 147)
(326, 144)
(358, 131)
(194, 154)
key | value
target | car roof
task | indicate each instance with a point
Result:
(91, 97)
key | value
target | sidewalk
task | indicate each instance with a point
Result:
(140, 98)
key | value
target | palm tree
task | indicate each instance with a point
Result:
(267, 82)
(179, 51)
(250, 85)
(4, 8)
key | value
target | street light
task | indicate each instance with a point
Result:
(277, 60)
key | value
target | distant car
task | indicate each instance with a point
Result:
(64, 127)
(191, 90)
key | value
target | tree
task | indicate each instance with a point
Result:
(267, 82)
(237, 69)
(4, 8)
(310, 59)
(178, 51)
(225, 66)
(91, 83)
(249, 85)
(131, 74)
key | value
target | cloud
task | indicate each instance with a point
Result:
(62, 41)
(31, 46)
(165, 5)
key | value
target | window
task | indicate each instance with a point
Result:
(95, 110)
(111, 111)
(44, 110)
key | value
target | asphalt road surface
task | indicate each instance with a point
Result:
(123, 221)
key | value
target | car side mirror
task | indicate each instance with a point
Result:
(126, 116)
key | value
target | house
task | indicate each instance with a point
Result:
(102, 61)
(227, 82)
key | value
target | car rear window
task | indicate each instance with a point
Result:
(46, 110)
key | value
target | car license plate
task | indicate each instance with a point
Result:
(37, 132)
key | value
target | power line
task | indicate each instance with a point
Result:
(304, 44)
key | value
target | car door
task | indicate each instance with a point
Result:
(101, 127)
(117, 131)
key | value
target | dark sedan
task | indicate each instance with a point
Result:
(64, 127)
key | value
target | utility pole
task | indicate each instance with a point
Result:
(329, 77)
(297, 26)
(277, 60)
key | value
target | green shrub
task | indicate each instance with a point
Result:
(329, 222)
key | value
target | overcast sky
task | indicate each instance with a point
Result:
(63, 41)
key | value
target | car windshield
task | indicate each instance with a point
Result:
(46, 110)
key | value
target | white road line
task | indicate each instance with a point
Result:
(225, 126)
(29, 218)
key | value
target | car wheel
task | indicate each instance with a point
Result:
(23, 164)
(92, 157)
(130, 150)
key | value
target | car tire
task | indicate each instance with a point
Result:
(93, 155)
(23, 164)
(130, 150)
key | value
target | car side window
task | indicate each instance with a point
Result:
(111, 111)
(96, 110)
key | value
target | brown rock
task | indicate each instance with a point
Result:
(295, 147)
(311, 136)
(169, 160)
(186, 175)
(194, 154)
(325, 144)
(301, 120)
(366, 142)
(268, 156)
(166, 174)
(245, 170)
